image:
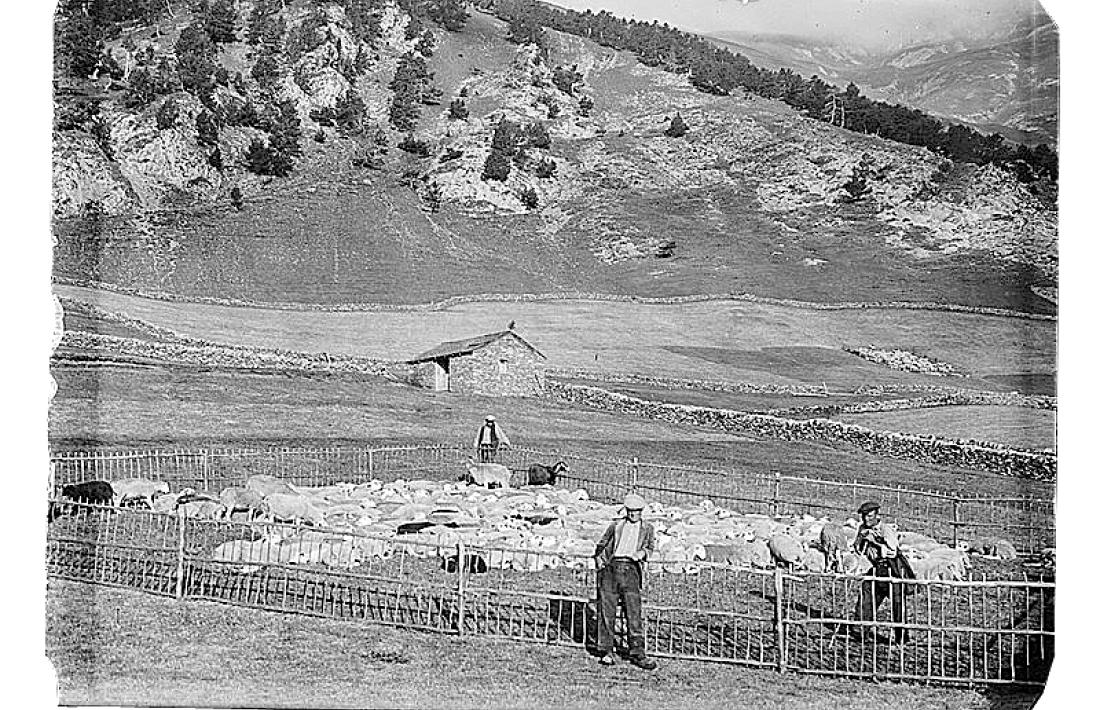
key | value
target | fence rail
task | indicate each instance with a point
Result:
(959, 632)
(1028, 523)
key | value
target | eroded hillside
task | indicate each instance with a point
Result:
(753, 197)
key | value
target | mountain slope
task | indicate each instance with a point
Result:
(1004, 83)
(751, 199)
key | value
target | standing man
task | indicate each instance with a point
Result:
(489, 439)
(620, 556)
(878, 542)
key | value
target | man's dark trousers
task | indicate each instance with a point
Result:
(620, 579)
(875, 591)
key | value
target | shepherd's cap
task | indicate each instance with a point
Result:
(633, 501)
(868, 507)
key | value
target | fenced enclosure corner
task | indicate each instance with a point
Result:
(958, 632)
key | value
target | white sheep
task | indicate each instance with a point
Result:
(490, 475)
(944, 563)
(833, 541)
(787, 550)
(236, 499)
(292, 507)
(128, 489)
(205, 508)
(269, 485)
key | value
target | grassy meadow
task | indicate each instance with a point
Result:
(157, 405)
(119, 647)
(723, 340)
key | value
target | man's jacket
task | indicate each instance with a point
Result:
(605, 548)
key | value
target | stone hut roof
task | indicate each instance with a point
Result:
(466, 346)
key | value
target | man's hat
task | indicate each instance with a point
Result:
(868, 507)
(490, 418)
(633, 501)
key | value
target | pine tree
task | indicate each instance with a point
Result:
(195, 54)
(221, 22)
(80, 44)
(497, 166)
(207, 129)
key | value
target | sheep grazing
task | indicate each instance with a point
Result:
(292, 508)
(205, 508)
(96, 492)
(237, 499)
(990, 547)
(941, 564)
(833, 541)
(490, 475)
(269, 486)
(168, 502)
(787, 551)
(128, 490)
(539, 475)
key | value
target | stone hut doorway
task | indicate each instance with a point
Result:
(441, 375)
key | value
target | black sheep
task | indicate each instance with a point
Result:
(98, 492)
(539, 475)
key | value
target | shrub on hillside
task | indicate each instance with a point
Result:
(207, 129)
(536, 136)
(458, 110)
(167, 114)
(433, 196)
(529, 198)
(545, 169)
(450, 14)
(236, 198)
(415, 146)
(585, 106)
(220, 22)
(566, 78)
(677, 128)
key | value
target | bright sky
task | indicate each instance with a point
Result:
(867, 23)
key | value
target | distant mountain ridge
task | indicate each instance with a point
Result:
(1006, 83)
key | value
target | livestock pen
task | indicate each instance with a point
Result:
(972, 631)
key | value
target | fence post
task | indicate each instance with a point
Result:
(780, 627)
(460, 567)
(370, 464)
(205, 469)
(955, 522)
(775, 493)
(179, 559)
(634, 474)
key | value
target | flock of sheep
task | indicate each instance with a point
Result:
(530, 528)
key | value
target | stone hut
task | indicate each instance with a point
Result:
(500, 364)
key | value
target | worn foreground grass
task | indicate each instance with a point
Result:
(113, 646)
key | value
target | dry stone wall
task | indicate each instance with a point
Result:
(559, 296)
(935, 450)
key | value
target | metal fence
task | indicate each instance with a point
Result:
(1028, 523)
(959, 632)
